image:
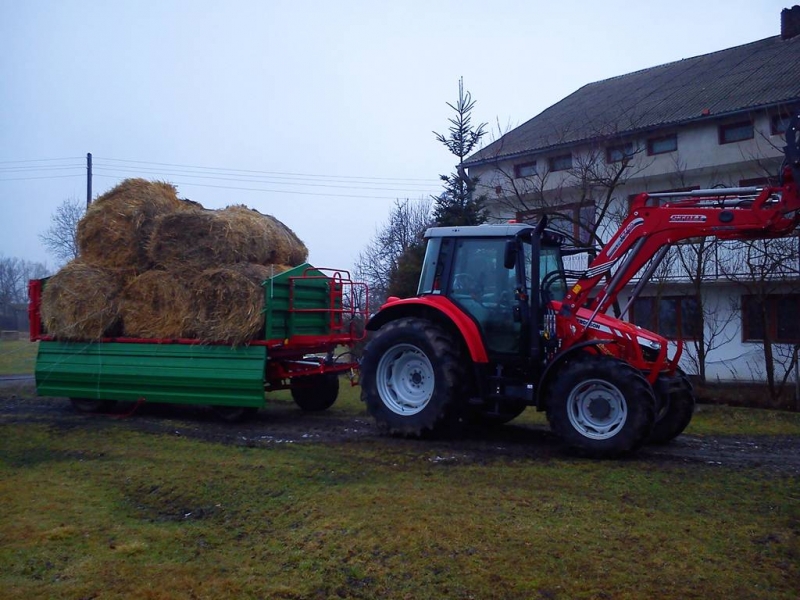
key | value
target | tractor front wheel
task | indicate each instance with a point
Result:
(601, 406)
(412, 377)
(676, 408)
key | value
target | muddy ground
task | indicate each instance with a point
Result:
(283, 423)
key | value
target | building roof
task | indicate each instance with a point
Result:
(756, 75)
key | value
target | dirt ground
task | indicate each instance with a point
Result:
(283, 423)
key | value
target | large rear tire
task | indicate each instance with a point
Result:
(676, 409)
(601, 406)
(412, 378)
(315, 393)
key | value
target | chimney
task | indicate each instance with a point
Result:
(790, 22)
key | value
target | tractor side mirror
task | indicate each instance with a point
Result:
(510, 254)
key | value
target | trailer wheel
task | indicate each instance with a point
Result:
(601, 406)
(87, 405)
(315, 392)
(234, 414)
(412, 376)
(675, 413)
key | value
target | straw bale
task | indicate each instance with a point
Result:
(270, 240)
(155, 304)
(227, 303)
(81, 302)
(197, 239)
(237, 234)
(116, 228)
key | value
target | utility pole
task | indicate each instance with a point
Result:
(88, 179)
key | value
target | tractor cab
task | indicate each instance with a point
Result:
(501, 276)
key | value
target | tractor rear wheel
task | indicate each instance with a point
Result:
(412, 377)
(315, 392)
(675, 412)
(601, 406)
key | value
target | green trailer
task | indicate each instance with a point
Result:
(307, 317)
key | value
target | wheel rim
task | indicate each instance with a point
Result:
(597, 409)
(405, 379)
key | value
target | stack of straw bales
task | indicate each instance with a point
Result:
(152, 265)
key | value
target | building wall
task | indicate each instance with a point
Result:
(699, 161)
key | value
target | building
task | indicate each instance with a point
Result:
(709, 121)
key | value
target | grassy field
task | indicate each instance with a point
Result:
(105, 512)
(100, 511)
(17, 357)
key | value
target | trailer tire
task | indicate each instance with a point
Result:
(412, 378)
(675, 413)
(315, 393)
(600, 406)
(87, 405)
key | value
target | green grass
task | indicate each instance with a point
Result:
(106, 512)
(17, 357)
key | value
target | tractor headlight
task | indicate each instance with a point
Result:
(650, 349)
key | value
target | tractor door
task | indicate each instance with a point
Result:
(481, 285)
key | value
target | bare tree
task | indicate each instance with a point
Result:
(768, 273)
(581, 195)
(379, 262)
(60, 238)
(14, 276)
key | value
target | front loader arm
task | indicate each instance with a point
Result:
(657, 221)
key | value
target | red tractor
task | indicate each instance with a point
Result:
(496, 328)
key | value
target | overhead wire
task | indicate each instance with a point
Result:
(285, 173)
(250, 189)
(280, 182)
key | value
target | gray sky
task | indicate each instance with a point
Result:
(320, 113)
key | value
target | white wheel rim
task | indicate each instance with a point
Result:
(597, 409)
(405, 379)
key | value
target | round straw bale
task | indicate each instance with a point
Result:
(207, 238)
(268, 240)
(194, 239)
(227, 303)
(155, 304)
(116, 227)
(80, 302)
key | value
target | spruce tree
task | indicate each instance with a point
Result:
(457, 204)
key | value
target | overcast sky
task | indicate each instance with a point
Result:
(320, 113)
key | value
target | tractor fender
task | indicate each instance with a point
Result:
(555, 363)
(439, 310)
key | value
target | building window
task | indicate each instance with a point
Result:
(561, 163)
(662, 145)
(735, 132)
(773, 316)
(779, 124)
(619, 152)
(674, 317)
(525, 170)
